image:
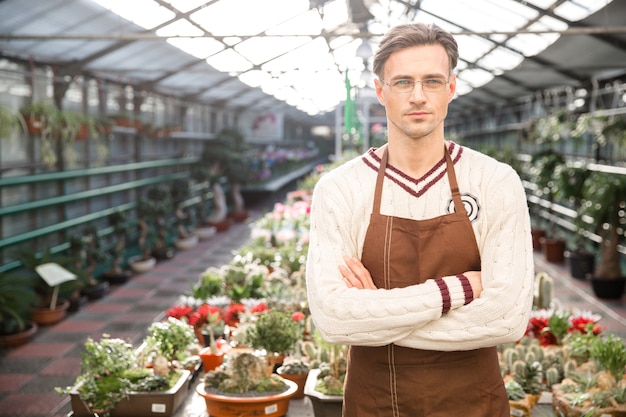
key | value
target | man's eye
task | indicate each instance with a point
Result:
(403, 83)
(433, 81)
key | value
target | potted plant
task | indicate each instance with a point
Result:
(202, 181)
(116, 274)
(86, 253)
(43, 121)
(179, 194)
(595, 387)
(17, 296)
(324, 384)
(52, 290)
(296, 370)
(113, 382)
(604, 197)
(10, 121)
(152, 241)
(242, 386)
(570, 177)
(217, 156)
(237, 169)
(544, 164)
(173, 340)
(276, 332)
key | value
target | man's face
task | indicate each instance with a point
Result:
(419, 113)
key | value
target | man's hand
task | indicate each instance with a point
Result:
(474, 277)
(355, 275)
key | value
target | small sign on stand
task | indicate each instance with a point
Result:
(54, 275)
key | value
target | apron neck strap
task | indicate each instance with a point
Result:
(454, 187)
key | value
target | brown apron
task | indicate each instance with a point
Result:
(397, 381)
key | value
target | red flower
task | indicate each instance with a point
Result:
(231, 317)
(298, 316)
(581, 324)
(179, 312)
(259, 308)
(205, 314)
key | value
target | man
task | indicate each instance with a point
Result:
(420, 255)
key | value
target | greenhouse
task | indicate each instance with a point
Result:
(258, 207)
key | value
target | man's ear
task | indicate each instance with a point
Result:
(379, 92)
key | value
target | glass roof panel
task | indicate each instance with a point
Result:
(579, 9)
(475, 77)
(145, 13)
(229, 61)
(198, 47)
(500, 60)
(273, 12)
(262, 49)
(303, 50)
(309, 23)
(186, 5)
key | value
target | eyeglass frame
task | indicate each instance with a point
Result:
(414, 82)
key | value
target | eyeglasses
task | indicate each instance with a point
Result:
(431, 85)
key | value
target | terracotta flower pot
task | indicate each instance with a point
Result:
(18, 339)
(553, 249)
(44, 316)
(299, 379)
(210, 360)
(275, 405)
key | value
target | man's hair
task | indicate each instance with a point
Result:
(414, 34)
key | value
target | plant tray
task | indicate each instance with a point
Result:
(323, 405)
(142, 404)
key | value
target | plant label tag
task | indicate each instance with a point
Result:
(271, 409)
(159, 408)
(54, 274)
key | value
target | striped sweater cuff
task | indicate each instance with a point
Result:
(445, 295)
(467, 288)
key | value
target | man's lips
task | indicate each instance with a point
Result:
(417, 114)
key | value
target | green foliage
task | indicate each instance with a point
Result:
(110, 371)
(610, 352)
(604, 195)
(170, 338)
(244, 375)
(209, 284)
(579, 345)
(514, 390)
(558, 325)
(17, 296)
(294, 367)
(9, 122)
(243, 281)
(274, 331)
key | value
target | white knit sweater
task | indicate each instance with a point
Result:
(412, 316)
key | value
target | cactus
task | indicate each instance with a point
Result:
(537, 351)
(519, 369)
(510, 356)
(569, 367)
(530, 357)
(553, 376)
(544, 289)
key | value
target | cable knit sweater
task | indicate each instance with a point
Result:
(412, 316)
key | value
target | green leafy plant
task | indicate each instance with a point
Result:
(17, 296)
(110, 372)
(170, 338)
(244, 375)
(604, 195)
(274, 331)
(610, 352)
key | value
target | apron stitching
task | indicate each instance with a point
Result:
(387, 254)
(393, 381)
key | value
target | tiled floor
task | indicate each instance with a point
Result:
(28, 374)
